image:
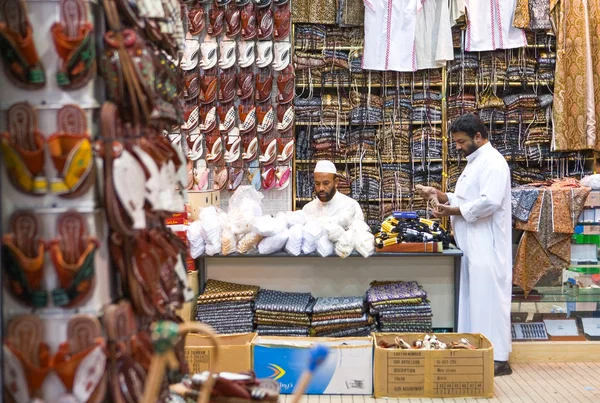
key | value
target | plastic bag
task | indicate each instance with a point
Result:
(324, 246)
(360, 225)
(268, 226)
(335, 231)
(345, 245)
(195, 239)
(248, 200)
(310, 235)
(228, 243)
(344, 218)
(296, 217)
(591, 181)
(364, 243)
(293, 245)
(273, 243)
(211, 230)
(248, 243)
(282, 219)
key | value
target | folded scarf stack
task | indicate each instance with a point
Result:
(400, 306)
(397, 180)
(494, 65)
(283, 313)
(340, 317)
(427, 143)
(546, 65)
(460, 104)
(227, 307)
(394, 142)
(428, 174)
(308, 109)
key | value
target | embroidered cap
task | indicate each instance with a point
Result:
(325, 167)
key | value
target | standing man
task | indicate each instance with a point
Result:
(480, 211)
(329, 201)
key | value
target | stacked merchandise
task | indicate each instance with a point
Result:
(397, 106)
(461, 104)
(493, 66)
(362, 143)
(427, 106)
(304, 184)
(394, 142)
(340, 317)
(283, 313)
(366, 183)
(429, 175)
(400, 306)
(335, 109)
(546, 64)
(328, 143)
(338, 70)
(367, 109)
(521, 106)
(396, 180)
(304, 150)
(453, 174)
(427, 143)
(308, 109)
(521, 68)
(463, 69)
(227, 307)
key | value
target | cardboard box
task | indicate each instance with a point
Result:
(593, 199)
(434, 373)
(235, 353)
(216, 198)
(346, 371)
(200, 200)
(187, 310)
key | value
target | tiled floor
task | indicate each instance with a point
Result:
(535, 383)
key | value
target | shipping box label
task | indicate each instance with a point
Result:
(406, 373)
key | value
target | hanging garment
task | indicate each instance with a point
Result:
(533, 14)
(577, 78)
(457, 10)
(483, 233)
(490, 26)
(398, 19)
(338, 204)
(433, 35)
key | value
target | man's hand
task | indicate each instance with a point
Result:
(444, 210)
(426, 192)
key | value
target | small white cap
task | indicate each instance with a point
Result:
(325, 167)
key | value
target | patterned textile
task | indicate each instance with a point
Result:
(532, 14)
(352, 332)
(545, 247)
(522, 201)
(333, 304)
(216, 289)
(283, 313)
(279, 301)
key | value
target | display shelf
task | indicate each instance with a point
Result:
(360, 83)
(555, 294)
(509, 83)
(363, 161)
(530, 352)
(445, 253)
(385, 199)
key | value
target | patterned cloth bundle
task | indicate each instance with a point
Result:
(400, 306)
(227, 307)
(340, 317)
(283, 313)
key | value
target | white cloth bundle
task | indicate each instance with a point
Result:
(273, 243)
(364, 243)
(195, 239)
(591, 181)
(344, 218)
(360, 225)
(248, 243)
(211, 230)
(228, 243)
(296, 217)
(310, 235)
(268, 226)
(293, 245)
(324, 246)
(335, 231)
(345, 245)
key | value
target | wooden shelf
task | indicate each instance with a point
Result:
(407, 122)
(357, 161)
(373, 85)
(307, 199)
(504, 83)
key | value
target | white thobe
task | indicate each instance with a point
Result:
(339, 203)
(483, 233)
(490, 26)
(433, 35)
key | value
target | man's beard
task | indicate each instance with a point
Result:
(470, 149)
(326, 196)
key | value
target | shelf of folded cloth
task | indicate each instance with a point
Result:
(361, 83)
(445, 253)
(361, 200)
(504, 83)
(360, 161)
(553, 294)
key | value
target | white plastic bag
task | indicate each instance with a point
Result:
(268, 226)
(248, 200)
(345, 245)
(344, 218)
(324, 246)
(296, 217)
(211, 230)
(273, 243)
(195, 239)
(360, 225)
(293, 245)
(248, 243)
(310, 235)
(591, 181)
(335, 231)
(364, 243)
(228, 243)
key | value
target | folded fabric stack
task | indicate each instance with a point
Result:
(523, 174)
(372, 212)
(427, 106)
(310, 36)
(336, 76)
(428, 77)
(311, 77)
(337, 58)
(454, 172)
(343, 37)
(308, 109)
(461, 104)
(521, 69)
(340, 317)
(509, 140)
(283, 313)
(490, 115)
(344, 185)
(428, 174)
(362, 143)
(304, 184)
(546, 65)
(394, 141)
(227, 307)
(303, 148)
(396, 180)
(400, 306)
(366, 115)
(492, 66)
(308, 61)
(328, 143)
(427, 143)
(335, 108)
(366, 182)
(464, 67)
(355, 59)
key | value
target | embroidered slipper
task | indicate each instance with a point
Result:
(234, 21)
(26, 359)
(249, 22)
(285, 85)
(208, 114)
(250, 148)
(247, 115)
(201, 175)
(74, 42)
(227, 81)
(285, 116)
(266, 118)
(268, 151)
(127, 376)
(286, 149)
(216, 19)
(195, 148)
(221, 176)
(17, 50)
(73, 254)
(23, 150)
(265, 23)
(264, 85)
(196, 20)
(189, 61)
(191, 116)
(227, 117)
(232, 146)
(23, 259)
(245, 83)
(214, 145)
(236, 175)
(80, 362)
(283, 174)
(190, 175)
(282, 21)
(71, 153)
(254, 176)
(191, 87)
(208, 89)
(269, 180)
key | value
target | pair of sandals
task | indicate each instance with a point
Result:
(197, 176)
(24, 150)
(80, 362)
(276, 177)
(73, 38)
(72, 254)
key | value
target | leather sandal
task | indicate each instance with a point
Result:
(253, 175)
(227, 117)
(71, 153)
(227, 54)
(246, 49)
(196, 20)
(227, 84)
(201, 175)
(269, 180)
(232, 146)
(264, 85)
(285, 85)
(285, 116)
(208, 115)
(191, 117)
(230, 388)
(127, 376)
(221, 177)
(250, 148)
(249, 22)
(282, 175)
(247, 115)
(216, 17)
(245, 84)
(73, 254)
(80, 362)
(234, 21)
(236, 175)
(189, 60)
(282, 22)
(214, 147)
(286, 149)
(190, 175)
(268, 150)
(208, 89)
(23, 259)
(23, 150)
(282, 55)
(264, 54)
(17, 50)
(265, 115)
(265, 23)
(191, 88)
(26, 359)
(208, 51)
(74, 42)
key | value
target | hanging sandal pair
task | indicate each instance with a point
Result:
(70, 149)
(72, 255)
(276, 177)
(79, 363)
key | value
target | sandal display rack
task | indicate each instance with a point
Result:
(416, 110)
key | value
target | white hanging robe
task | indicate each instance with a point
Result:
(484, 234)
(433, 35)
(338, 204)
(490, 26)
